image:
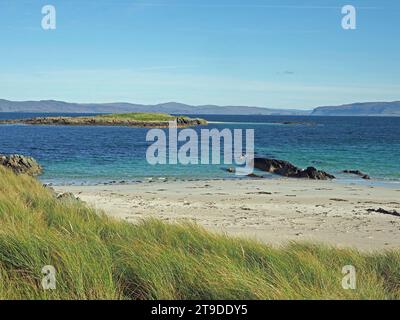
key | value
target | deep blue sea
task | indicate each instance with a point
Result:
(92, 155)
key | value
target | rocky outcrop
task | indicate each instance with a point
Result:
(67, 197)
(286, 169)
(314, 174)
(358, 173)
(21, 164)
(185, 122)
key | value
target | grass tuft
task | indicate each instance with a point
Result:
(97, 257)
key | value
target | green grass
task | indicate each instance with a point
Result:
(97, 257)
(139, 116)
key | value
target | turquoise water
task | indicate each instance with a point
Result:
(91, 155)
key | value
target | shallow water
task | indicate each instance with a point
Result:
(92, 155)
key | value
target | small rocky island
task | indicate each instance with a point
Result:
(144, 120)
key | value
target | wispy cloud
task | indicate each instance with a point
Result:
(286, 72)
(160, 68)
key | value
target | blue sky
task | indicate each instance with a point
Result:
(279, 54)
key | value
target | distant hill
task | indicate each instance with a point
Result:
(52, 106)
(360, 109)
(121, 107)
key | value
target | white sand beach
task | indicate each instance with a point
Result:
(273, 211)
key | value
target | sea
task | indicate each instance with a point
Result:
(91, 155)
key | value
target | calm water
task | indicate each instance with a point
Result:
(99, 154)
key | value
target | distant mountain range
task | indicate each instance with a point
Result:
(360, 109)
(52, 106)
(118, 107)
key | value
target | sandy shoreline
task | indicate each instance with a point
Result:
(273, 211)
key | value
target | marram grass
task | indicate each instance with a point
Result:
(96, 257)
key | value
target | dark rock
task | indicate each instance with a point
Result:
(274, 166)
(21, 164)
(255, 176)
(286, 169)
(380, 210)
(231, 170)
(358, 173)
(314, 174)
